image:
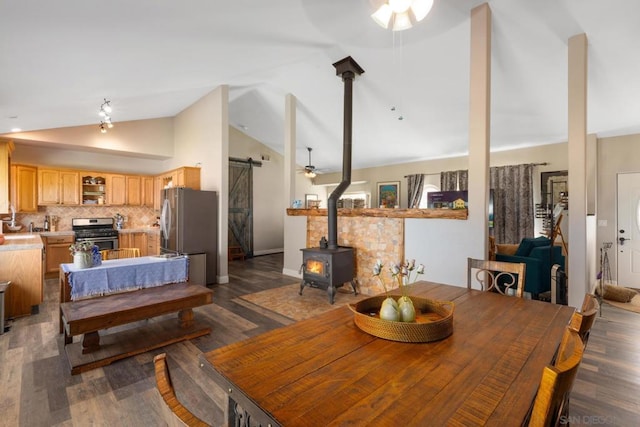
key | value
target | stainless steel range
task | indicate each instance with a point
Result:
(97, 230)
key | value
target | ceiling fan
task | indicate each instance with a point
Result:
(310, 170)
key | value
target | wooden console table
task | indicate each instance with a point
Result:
(91, 315)
(325, 371)
(123, 291)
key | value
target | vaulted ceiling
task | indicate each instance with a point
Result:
(154, 58)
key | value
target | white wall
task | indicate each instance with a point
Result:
(152, 139)
(77, 159)
(618, 154)
(201, 136)
(442, 246)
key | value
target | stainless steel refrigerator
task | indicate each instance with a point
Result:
(189, 226)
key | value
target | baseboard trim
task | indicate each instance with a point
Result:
(293, 273)
(268, 251)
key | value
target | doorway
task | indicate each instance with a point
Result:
(628, 230)
(241, 206)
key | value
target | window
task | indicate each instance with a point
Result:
(428, 188)
(431, 183)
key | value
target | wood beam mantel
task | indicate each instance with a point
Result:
(386, 213)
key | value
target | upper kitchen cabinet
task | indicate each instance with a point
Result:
(58, 187)
(6, 147)
(148, 193)
(117, 189)
(134, 190)
(93, 188)
(157, 189)
(182, 177)
(24, 188)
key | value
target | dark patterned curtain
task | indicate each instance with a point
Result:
(415, 184)
(512, 202)
(454, 180)
(449, 181)
(463, 180)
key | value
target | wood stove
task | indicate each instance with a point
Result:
(328, 269)
(330, 266)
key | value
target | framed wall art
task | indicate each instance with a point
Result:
(311, 201)
(389, 194)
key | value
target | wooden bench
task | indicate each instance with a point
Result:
(88, 316)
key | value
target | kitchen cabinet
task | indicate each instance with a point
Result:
(93, 188)
(157, 193)
(116, 189)
(24, 188)
(23, 267)
(134, 190)
(6, 147)
(58, 187)
(48, 186)
(185, 176)
(148, 193)
(134, 239)
(153, 243)
(56, 252)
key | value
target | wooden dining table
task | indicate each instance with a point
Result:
(325, 371)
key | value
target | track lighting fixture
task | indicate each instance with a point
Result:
(105, 111)
(106, 106)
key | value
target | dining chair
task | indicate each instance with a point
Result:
(551, 401)
(120, 253)
(496, 276)
(582, 321)
(176, 414)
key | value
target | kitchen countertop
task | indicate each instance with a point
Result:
(148, 229)
(56, 233)
(21, 241)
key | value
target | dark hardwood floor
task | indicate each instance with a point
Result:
(36, 388)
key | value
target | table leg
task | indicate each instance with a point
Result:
(185, 317)
(90, 342)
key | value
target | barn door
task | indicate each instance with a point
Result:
(241, 205)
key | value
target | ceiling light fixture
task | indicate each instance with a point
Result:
(106, 106)
(403, 14)
(105, 110)
(309, 170)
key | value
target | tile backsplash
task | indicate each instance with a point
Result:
(135, 216)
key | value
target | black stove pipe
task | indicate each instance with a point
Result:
(348, 69)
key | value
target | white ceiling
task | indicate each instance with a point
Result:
(154, 58)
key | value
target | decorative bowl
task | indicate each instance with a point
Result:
(434, 320)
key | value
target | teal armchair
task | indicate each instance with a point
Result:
(536, 254)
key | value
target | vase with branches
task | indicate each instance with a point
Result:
(404, 274)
